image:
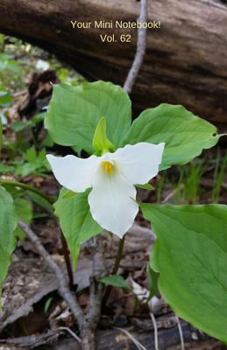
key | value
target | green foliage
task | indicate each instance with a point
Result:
(1, 136)
(202, 180)
(9, 64)
(191, 178)
(74, 112)
(47, 304)
(191, 256)
(219, 176)
(20, 125)
(31, 162)
(22, 158)
(75, 219)
(10, 71)
(160, 186)
(115, 281)
(147, 187)
(2, 39)
(41, 201)
(63, 75)
(5, 98)
(24, 212)
(101, 143)
(8, 223)
(184, 134)
(152, 280)
(23, 209)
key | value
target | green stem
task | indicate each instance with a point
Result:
(118, 256)
(115, 269)
(27, 188)
(67, 259)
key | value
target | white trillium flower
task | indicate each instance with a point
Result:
(112, 177)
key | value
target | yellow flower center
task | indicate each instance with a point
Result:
(107, 167)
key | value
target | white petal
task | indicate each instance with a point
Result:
(73, 173)
(139, 163)
(113, 203)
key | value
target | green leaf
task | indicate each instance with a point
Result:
(152, 281)
(24, 212)
(4, 168)
(147, 187)
(115, 281)
(48, 304)
(191, 256)
(185, 135)
(23, 209)
(100, 142)
(38, 118)
(40, 201)
(20, 125)
(7, 64)
(76, 222)
(34, 162)
(74, 112)
(8, 223)
(5, 98)
(2, 38)
(1, 136)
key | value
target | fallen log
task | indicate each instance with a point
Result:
(186, 60)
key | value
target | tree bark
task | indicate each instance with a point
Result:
(186, 60)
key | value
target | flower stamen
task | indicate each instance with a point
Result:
(107, 167)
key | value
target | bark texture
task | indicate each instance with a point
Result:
(186, 59)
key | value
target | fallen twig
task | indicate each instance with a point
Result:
(96, 290)
(138, 345)
(37, 340)
(140, 50)
(180, 333)
(33, 341)
(155, 331)
(63, 288)
(172, 194)
(73, 334)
